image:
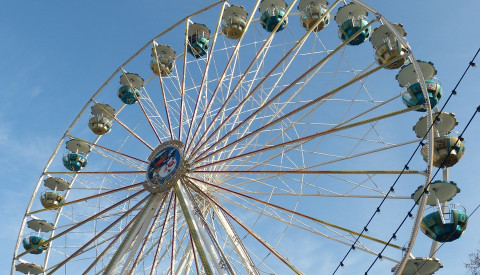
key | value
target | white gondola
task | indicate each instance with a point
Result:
(198, 40)
(101, 121)
(76, 160)
(388, 46)
(351, 19)
(165, 56)
(273, 11)
(234, 21)
(313, 11)
(408, 77)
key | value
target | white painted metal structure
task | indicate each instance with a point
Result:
(291, 139)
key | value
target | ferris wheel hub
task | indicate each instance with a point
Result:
(167, 165)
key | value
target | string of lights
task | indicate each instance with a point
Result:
(425, 191)
(405, 168)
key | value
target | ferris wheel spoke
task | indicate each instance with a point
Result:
(93, 172)
(163, 256)
(347, 240)
(172, 104)
(87, 249)
(362, 139)
(255, 165)
(336, 160)
(89, 197)
(295, 142)
(296, 213)
(236, 112)
(266, 142)
(326, 195)
(292, 124)
(234, 126)
(80, 250)
(108, 149)
(207, 110)
(182, 88)
(109, 246)
(162, 89)
(362, 84)
(119, 159)
(167, 248)
(249, 230)
(309, 172)
(153, 113)
(373, 181)
(190, 93)
(113, 155)
(242, 181)
(223, 108)
(140, 104)
(363, 88)
(183, 249)
(289, 220)
(380, 138)
(102, 218)
(242, 77)
(233, 56)
(99, 214)
(362, 184)
(262, 105)
(307, 105)
(243, 196)
(317, 66)
(87, 182)
(125, 126)
(367, 153)
(369, 110)
(205, 74)
(245, 184)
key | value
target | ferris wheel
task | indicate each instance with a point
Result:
(250, 140)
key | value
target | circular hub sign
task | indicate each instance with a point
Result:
(166, 162)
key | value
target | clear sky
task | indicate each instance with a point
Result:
(55, 54)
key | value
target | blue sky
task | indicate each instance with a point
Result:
(55, 54)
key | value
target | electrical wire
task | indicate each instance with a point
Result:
(425, 190)
(392, 189)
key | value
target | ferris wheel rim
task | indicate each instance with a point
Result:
(92, 99)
